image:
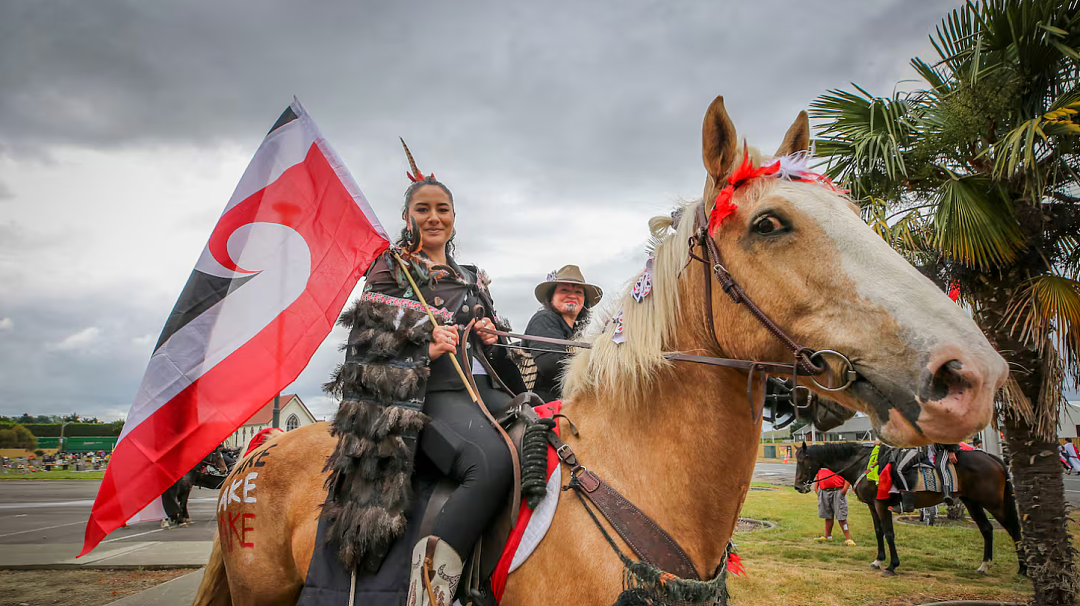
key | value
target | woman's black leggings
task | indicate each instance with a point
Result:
(462, 444)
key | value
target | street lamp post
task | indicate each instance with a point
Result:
(63, 424)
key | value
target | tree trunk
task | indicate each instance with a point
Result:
(1033, 462)
(1040, 497)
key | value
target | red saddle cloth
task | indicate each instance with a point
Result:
(502, 569)
(259, 438)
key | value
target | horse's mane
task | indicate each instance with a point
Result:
(830, 452)
(625, 372)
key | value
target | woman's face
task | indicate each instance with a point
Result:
(434, 214)
(568, 299)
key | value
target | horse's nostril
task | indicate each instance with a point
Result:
(948, 378)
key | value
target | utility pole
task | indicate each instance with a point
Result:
(992, 440)
(63, 424)
(277, 412)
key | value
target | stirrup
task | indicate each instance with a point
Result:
(435, 572)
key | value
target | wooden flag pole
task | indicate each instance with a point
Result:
(434, 322)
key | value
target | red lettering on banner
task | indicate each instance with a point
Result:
(244, 528)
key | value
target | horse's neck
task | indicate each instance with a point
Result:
(685, 458)
(851, 467)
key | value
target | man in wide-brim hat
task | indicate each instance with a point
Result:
(566, 298)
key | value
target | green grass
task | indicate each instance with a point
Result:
(786, 566)
(53, 475)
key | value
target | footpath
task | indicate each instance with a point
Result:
(119, 556)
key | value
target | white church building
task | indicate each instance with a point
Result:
(293, 414)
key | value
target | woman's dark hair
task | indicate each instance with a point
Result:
(582, 317)
(403, 238)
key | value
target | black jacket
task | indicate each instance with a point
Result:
(453, 299)
(549, 362)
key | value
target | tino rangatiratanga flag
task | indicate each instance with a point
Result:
(293, 241)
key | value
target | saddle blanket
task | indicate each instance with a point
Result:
(532, 524)
(928, 479)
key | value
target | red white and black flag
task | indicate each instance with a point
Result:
(293, 241)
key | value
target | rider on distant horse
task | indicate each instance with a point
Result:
(397, 375)
(940, 455)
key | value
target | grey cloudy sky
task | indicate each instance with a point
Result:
(561, 127)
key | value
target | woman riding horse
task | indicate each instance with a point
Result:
(677, 439)
(398, 374)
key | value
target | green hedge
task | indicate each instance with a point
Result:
(52, 430)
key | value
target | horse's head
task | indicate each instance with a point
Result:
(806, 469)
(801, 251)
(217, 459)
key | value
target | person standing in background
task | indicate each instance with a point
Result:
(832, 503)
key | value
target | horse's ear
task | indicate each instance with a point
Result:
(797, 138)
(717, 143)
(803, 447)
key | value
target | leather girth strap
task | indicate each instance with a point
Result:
(645, 537)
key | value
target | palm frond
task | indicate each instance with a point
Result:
(1046, 312)
(974, 223)
(1014, 403)
(864, 137)
(1020, 148)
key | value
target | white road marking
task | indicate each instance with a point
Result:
(46, 504)
(11, 534)
(132, 536)
(84, 503)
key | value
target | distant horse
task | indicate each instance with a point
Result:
(679, 439)
(175, 498)
(983, 485)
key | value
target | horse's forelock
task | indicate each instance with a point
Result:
(625, 371)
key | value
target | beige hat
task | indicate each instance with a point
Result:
(569, 274)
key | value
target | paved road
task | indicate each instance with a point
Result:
(779, 473)
(55, 511)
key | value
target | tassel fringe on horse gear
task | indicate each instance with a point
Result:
(534, 451)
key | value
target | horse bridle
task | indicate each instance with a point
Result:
(835, 473)
(811, 362)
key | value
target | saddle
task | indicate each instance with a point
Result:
(481, 563)
(329, 583)
(928, 479)
(921, 475)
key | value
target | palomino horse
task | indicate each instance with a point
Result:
(984, 486)
(679, 439)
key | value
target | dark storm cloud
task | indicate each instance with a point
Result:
(573, 94)
(560, 106)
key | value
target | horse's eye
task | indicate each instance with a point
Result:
(767, 224)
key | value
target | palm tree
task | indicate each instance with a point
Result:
(975, 178)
